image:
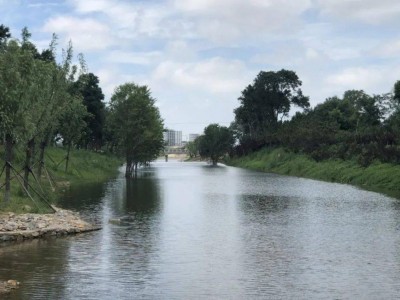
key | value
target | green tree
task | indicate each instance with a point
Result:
(215, 142)
(265, 102)
(72, 124)
(4, 34)
(396, 91)
(193, 148)
(136, 125)
(17, 84)
(88, 87)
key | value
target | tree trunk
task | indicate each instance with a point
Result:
(43, 145)
(41, 159)
(8, 158)
(28, 158)
(67, 158)
(128, 169)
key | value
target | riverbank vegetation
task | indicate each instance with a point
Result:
(84, 167)
(44, 102)
(378, 176)
(351, 139)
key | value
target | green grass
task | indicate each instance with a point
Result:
(84, 167)
(378, 176)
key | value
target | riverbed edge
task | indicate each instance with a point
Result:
(378, 177)
(20, 227)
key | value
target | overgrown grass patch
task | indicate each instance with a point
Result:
(378, 176)
(83, 167)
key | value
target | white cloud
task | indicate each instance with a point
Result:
(232, 20)
(89, 6)
(42, 4)
(389, 49)
(198, 55)
(129, 19)
(368, 11)
(129, 57)
(110, 77)
(373, 79)
(215, 75)
(86, 34)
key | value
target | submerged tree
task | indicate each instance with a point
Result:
(215, 142)
(136, 125)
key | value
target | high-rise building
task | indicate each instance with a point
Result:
(173, 138)
(178, 138)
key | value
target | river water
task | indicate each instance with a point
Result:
(200, 232)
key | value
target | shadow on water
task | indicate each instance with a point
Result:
(33, 263)
(142, 195)
(83, 196)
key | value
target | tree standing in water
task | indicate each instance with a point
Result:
(215, 143)
(136, 125)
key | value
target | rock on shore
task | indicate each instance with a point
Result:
(28, 226)
(8, 286)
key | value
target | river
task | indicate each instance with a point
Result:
(201, 232)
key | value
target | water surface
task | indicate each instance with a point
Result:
(198, 232)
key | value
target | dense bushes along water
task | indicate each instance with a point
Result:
(378, 176)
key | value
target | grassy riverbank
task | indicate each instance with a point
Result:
(377, 176)
(84, 167)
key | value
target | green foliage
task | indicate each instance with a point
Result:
(4, 34)
(215, 142)
(135, 125)
(378, 176)
(193, 148)
(17, 86)
(353, 127)
(87, 86)
(86, 167)
(396, 91)
(265, 102)
(71, 121)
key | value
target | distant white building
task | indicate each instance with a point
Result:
(193, 136)
(173, 138)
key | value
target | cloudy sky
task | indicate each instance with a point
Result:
(198, 55)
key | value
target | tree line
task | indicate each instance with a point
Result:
(355, 126)
(43, 101)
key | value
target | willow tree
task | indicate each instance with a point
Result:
(49, 97)
(136, 125)
(59, 100)
(17, 84)
(72, 124)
